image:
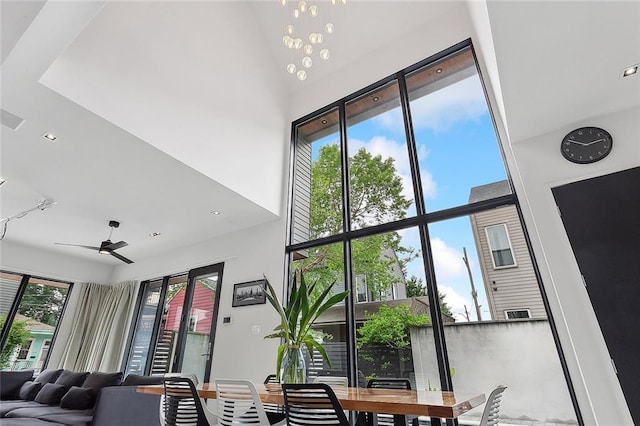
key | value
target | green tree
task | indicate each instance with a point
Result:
(390, 327)
(18, 335)
(376, 197)
(42, 303)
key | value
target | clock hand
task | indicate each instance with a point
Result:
(592, 142)
(578, 143)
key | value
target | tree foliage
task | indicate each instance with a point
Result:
(376, 197)
(18, 335)
(42, 303)
(390, 326)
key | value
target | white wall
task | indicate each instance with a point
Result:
(518, 354)
(536, 167)
(247, 255)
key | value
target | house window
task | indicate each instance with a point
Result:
(23, 353)
(517, 314)
(500, 246)
(193, 323)
(39, 304)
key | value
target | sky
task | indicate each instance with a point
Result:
(457, 150)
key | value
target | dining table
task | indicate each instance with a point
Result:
(434, 404)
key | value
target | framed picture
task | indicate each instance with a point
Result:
(249, 293)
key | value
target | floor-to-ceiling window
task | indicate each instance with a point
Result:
(401, 194)
(174, 326)
(30, 312)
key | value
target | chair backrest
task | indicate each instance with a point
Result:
(312, 403)
(389, 419)
(181, 404)
(492, 408)
(271, 379)
(389, 383)
(332, 380)
(239, 403)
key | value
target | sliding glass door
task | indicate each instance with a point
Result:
(175, 324)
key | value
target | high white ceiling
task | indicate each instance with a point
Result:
(166, 111)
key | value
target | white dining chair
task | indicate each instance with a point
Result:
(333, 381)
(492, 408)
(239, 403)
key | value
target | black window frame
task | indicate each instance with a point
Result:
(421, 220)
(17, 299)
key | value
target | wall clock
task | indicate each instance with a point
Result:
(586, 145)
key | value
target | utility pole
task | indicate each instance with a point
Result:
(466, 313)
(474, 293)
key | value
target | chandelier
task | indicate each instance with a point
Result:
(304, 37)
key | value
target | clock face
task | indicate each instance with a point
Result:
(586, 145)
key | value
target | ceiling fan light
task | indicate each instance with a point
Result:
(104, 251)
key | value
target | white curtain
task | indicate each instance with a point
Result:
(99, 335)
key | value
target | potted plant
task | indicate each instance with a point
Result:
(295, 328)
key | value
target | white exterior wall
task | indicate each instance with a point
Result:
(518, 354)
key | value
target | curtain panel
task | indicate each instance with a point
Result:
(99, 335)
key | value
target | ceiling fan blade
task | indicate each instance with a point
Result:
(116, 246)
(78, 245)
(124, 259)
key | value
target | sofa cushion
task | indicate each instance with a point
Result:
(48, 376)
(70, 378)
(7, 406)
(51, 394)
(78, 398)
(28, 422)
(73, 418)
(98, 380)
(29, 390)
(12, 381)
(42, 411)
(135, 380)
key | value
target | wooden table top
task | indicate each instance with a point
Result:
(391, 401)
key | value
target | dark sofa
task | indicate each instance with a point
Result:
(62, 397)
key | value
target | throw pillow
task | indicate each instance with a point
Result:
(29, 390)
(99, 380)
(69, 378)
(135, 380)
(78, 398)
(48, 376)
(51, 394)
(11, 382)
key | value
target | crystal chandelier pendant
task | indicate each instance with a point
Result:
(310, 29)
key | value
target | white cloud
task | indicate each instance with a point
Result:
(456, 302)
(448, 261)
(442, 109)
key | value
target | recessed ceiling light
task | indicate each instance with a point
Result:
(376, 99)
(215, 212)
(49, 136)
(630, 70)
(324, 121)
(439, 70)
(155, 234)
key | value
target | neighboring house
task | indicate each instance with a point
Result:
(201, 309)
(34, 351)
(509, 278)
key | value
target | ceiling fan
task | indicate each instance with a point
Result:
(107, 247)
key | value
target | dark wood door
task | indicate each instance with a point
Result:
(602, 220)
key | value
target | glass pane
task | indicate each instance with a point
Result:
(144, 328)
(9, 284)
(324, 265)
(520, 352)
(454, 133)
(381, 188)
(499, 244)
(164, 351)
(196, 352)
(317, 203)
(389, 270)
(34, 325)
